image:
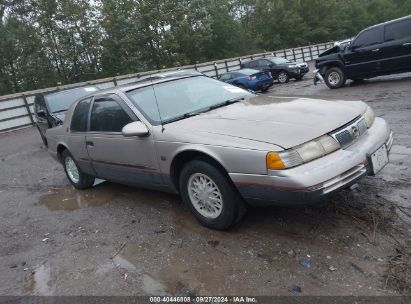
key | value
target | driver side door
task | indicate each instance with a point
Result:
(364, 56)
(128, 160)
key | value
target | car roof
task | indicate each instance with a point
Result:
(158, 78)
(45, 94)
(387, 22)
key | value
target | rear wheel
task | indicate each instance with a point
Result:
(335, 78)
(77, 178)
(210, 195)
(283, 77)
(299, 77)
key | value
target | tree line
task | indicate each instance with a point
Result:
(48, 42)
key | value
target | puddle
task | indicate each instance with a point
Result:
(39, 282)
(72, 199)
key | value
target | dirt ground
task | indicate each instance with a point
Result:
(118, 240)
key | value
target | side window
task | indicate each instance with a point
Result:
(108, 116)
(40, 103)
(398, 30)
(225, 77)
(264, 63)
(368, 38)
(252, 64)
(80, 115)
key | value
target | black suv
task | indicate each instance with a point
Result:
(378, 50)
(50, 108)
(280, 68)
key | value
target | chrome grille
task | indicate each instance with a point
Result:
(347, 134)
(344, 138)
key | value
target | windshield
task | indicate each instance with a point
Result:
(179, 98)
(61, 101)
(279, 60)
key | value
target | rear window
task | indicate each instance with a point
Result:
(398, 30)
(80, 115)
(248, 72)
(368, 38)
(61, 101)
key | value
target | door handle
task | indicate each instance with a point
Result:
(375, 50)
(407, 44)
(89, 143)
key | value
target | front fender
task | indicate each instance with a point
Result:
(242, 160)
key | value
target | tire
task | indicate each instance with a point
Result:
(229, 207)
(78, 179)
(43, 138)
(299, 77)
(335, 78)
(266, 89)
(283, 77)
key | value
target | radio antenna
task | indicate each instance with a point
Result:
(158, 108)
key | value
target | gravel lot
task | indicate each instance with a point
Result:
(117, 240)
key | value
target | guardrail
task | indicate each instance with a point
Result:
(17, 111)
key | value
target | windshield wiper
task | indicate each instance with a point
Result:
(224, 103)
(180, 117)
(58, 111)
(191, 114)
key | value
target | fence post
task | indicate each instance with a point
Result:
(115, 81)
(216, 70)
(226, 66)
(285, 54)
(294, 54)
(311, 53)
(302, 52)
(26, 104)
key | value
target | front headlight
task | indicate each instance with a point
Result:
(369, 117)
(301, 154)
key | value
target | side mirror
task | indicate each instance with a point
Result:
(136, 128)
(41, 114)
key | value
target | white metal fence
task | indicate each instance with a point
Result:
(16, 110)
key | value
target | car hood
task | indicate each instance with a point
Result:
(282, 121)
(334, 50)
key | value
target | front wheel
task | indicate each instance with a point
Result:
(77, 178)
(210, 195)
(283, 77)
(335, 78)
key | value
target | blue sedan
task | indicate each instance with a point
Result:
(248, 79)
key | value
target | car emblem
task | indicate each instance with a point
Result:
(354, 132)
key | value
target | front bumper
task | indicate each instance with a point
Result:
(315, 180)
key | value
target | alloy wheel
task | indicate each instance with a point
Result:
(205, 195)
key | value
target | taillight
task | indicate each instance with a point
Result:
(251, 77)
